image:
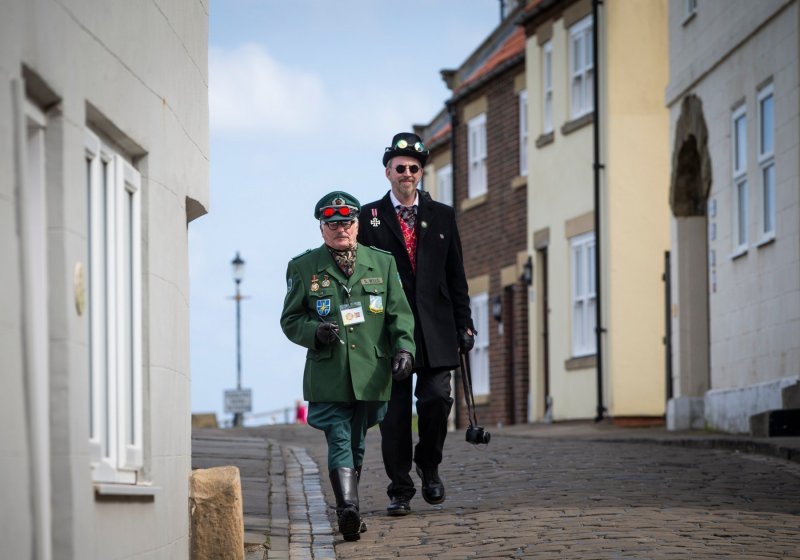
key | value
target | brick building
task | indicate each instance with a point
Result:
(485, 162)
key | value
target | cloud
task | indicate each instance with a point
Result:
(249, 90)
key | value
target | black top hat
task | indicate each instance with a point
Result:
(406, 144)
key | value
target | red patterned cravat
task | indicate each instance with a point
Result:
(407, 216)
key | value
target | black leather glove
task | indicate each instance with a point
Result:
(401, 365)
(466, 339)
(327, 333)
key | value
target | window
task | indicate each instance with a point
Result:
(740, 214)
(547, 85)
(115, 314)
(477, 156)
(444, 184)
(523, 132)
(479, 356)
(583, 295)
(582, 67)
(689, 9)
(766, 162)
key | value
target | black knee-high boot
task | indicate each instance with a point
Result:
(344, 481)
(363, 528)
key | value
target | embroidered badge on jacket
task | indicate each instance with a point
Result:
(323, 307)
(376, 304)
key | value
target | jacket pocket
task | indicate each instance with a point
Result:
(445, 292)
(319, 355)
(373, 289)
(380, 352)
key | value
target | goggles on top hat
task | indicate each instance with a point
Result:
(406, 144)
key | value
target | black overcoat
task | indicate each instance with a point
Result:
(438, 293)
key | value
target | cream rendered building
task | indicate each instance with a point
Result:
(735, 115)
(103, 164)
(633, 208)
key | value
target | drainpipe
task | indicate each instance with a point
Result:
(598, 166)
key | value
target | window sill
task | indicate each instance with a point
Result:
(577, 123)
(688, 18)
(469, 203)
(481, 399)
(581, 362)
(143, 492)
(739, 253)
(545, 139)
(518, 182)
(766, 240)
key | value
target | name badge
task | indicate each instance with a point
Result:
(352, 313)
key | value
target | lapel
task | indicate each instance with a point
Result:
(423, 218)
(389, 217)
(363, 265)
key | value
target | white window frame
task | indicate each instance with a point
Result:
(584, 296)
(444, 184)
(33, 241)
(739, 192)
(689, 9)
(476, 145)
(115, 314)
(479, 356)
(581, 67)
(547, 87)
(523, 132)
(766, 164)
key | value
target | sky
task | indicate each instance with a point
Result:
(304, 95)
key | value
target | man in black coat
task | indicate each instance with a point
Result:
(423, 237)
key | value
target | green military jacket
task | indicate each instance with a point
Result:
(359, 369)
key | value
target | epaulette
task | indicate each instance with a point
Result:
(301, 254)
(381, 250)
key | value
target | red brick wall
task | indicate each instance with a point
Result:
(492, 234)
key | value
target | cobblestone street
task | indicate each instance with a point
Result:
(550, 493)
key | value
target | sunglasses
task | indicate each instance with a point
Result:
(346, 211)
(333, 226)
(402, 169)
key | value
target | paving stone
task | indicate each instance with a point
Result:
(561, 491)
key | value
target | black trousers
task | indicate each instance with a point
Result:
(433, 408)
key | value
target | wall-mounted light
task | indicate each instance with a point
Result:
(527, 272)
(497, 309)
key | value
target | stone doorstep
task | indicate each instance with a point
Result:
(776, 423)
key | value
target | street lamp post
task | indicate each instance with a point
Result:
(237, 265)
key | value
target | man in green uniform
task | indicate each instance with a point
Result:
(346, 305)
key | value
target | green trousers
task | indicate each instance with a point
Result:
(345, 426)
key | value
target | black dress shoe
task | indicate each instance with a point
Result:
(399, 506)
(432, 486)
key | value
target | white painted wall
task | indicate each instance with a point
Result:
(143, 67)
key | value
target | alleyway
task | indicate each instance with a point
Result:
(576, 491)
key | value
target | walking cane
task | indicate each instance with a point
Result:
(475, 433)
